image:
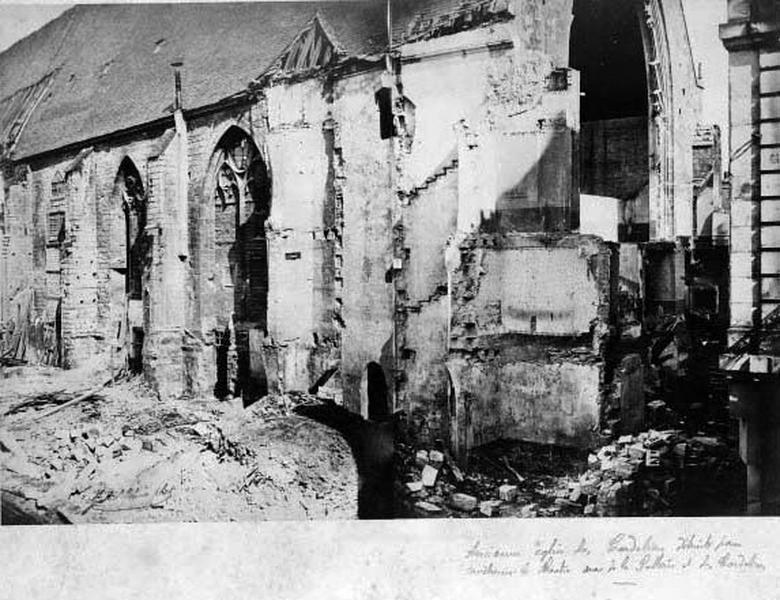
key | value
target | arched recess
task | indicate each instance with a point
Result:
(459, 419)
(129, 248)
(375, 399)
(234, 263)
(626, 149)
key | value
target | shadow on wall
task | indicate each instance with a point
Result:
(372, 445)
(544, 198)
(244, 191)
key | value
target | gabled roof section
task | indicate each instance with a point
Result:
(312, 49)
(107, 68)
(353, 31)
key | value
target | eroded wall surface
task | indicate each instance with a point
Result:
(444, 257)
(530, 317)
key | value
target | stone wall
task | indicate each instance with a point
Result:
(442, 256)
(530, 320)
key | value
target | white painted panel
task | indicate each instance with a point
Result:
(770, 236)
(770, 184)
(770, 107)
(770, 81)
(770, 263)
(769, 59)
(770, 133)
(741, 313)
(770, 210)
(770, 288)
(770, 158)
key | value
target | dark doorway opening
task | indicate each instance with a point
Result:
(376, 387)
(222, 343)
(135, 360)
(373, 446)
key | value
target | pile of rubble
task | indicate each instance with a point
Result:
(121, 455)
(434, 486)
(652, 473)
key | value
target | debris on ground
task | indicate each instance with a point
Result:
(115, 453)
(653, 473)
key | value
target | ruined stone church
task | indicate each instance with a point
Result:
(459, 209)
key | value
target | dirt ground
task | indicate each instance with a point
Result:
(122, 456)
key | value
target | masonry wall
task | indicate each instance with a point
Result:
(16, 243)
(530, 318)
(614, 155)
(493, 151)
(81, 271)
(369, 217)
(211, 301)
(302, 236)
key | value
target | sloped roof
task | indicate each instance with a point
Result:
(107, 67)
(415, 20)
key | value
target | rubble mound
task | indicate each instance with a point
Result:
(658, 473)
(120, 455)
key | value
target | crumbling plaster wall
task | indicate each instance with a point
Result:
(302, 235)
(493, 150)
(488, 97)
(548, 286)
(286, 126)
(17, 241)
(86, 270)
(423, 306)
(531, 315)
(94, 303)
(369, 216)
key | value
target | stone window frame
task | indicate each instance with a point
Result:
(58, 195)
(233, 176)
(55, 227)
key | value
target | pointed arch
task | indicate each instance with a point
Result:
(234, 261)
(129, 191)
(124, 244)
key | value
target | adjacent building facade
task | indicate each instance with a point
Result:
(752, 363)
(443, 207)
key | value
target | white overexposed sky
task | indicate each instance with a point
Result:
(20, 18)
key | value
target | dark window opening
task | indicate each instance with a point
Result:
(704, 298)
(58, 189)
(56, 227)
(384, 101)
(242, 198)
(606, 48)
(242, 205)
(133, 197)
(451, 398)
(378, 409)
